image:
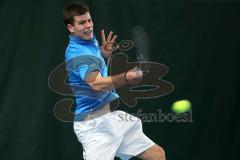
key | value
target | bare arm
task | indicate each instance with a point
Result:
(99, 83)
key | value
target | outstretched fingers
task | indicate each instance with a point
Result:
(103, 37)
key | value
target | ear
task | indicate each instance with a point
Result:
(70, 28)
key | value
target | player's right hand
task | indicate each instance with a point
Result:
(134, 76)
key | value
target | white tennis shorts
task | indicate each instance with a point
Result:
(113, 134)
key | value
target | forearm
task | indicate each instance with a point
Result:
(108, 83)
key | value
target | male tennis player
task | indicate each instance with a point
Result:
(103, 134)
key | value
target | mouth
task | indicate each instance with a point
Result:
(88, 32)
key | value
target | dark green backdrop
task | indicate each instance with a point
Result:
(197, 40)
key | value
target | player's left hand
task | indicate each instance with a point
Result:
(108, 45)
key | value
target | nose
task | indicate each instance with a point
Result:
(88, 25)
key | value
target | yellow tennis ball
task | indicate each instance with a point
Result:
(181, 106)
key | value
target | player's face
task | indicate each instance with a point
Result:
(82, 27)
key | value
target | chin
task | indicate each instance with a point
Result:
(87, 37)
(90, 37)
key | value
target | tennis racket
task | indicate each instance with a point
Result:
(142, 47)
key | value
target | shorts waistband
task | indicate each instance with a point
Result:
(97, 113)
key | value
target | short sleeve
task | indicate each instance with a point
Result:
(84, 65)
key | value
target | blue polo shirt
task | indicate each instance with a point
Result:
(82, 57)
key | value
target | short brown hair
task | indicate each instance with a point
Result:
(74, 9)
